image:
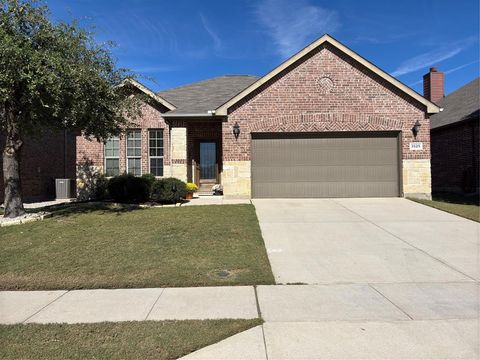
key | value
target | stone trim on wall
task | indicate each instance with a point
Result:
(416, 178)
(178, 153)
(236, 179)
(179, 171)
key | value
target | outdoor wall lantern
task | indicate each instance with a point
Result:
(236, 130)
(416, 129)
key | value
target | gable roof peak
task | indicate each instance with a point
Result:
(142, 88)
(326, 38)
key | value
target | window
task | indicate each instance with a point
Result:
(155, 151)
(134, 152)
(112, 148)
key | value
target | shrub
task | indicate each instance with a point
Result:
(150, 178)
(168, 190)
(100, 191)
(191, 187)
(128, 188)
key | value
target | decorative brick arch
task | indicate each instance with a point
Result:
(326, 122)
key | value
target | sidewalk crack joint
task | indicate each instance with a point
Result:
(155, 303)
(51, 302)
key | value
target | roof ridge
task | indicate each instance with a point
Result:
(462, 87)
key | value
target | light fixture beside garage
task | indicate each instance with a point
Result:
(236, 130)
(416, 129)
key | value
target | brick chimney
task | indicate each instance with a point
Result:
(433, 85)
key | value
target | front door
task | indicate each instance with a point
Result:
(208, 160)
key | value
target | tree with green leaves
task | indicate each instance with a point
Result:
(53, 75)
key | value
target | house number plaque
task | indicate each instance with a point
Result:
(415, 146)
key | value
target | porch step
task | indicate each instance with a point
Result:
(205, 188)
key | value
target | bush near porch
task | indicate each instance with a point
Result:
(128, 188)
(111, 246)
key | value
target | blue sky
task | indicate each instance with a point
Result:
(174, 42)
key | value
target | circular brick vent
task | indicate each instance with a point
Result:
(325, 85)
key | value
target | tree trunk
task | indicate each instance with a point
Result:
(11, 173)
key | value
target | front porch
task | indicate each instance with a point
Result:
(196, 152)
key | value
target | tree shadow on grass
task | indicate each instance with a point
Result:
(91, 207)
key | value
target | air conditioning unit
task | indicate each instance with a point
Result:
(65, 188)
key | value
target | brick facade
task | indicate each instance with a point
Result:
(295, 102)
(44, 158)
(455, 158)
(327, 91)
(90, 153)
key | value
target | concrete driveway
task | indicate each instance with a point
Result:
(316, 241)
(385, 278)
(363, 279)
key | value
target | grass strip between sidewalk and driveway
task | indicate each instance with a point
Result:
(110, 246)
(124, 340)
(467, 207)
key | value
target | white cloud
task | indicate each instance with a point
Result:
(384, 38)
(433, 57)
(449, 71)
(293, 24)
(424, 60)
(217, 42)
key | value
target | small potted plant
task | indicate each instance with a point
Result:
(191, 188)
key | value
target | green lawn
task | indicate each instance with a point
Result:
(467, 207)
(125, 340)
(106, 246)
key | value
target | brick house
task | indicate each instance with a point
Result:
(454, 135)
(325, 123)
(45, 157)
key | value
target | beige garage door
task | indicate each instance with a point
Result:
(319, 165)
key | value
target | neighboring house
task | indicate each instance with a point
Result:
(325, 123)
(44, 157)
(454, 136)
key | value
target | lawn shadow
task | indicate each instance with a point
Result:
(91, 207)
(471, 199)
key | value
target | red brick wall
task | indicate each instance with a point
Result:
(327, 91)
(433, 85)
(91, 152)
(455, 157)
(43, 158)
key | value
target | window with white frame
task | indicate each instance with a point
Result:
(112, 153)
(155, 151)
(134, 152)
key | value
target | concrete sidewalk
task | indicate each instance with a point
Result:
(408, 320)
(434, 339)
(276, 303)
(369, 321)
(89, 306)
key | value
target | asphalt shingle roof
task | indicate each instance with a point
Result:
(460, 105)
(205, 95)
